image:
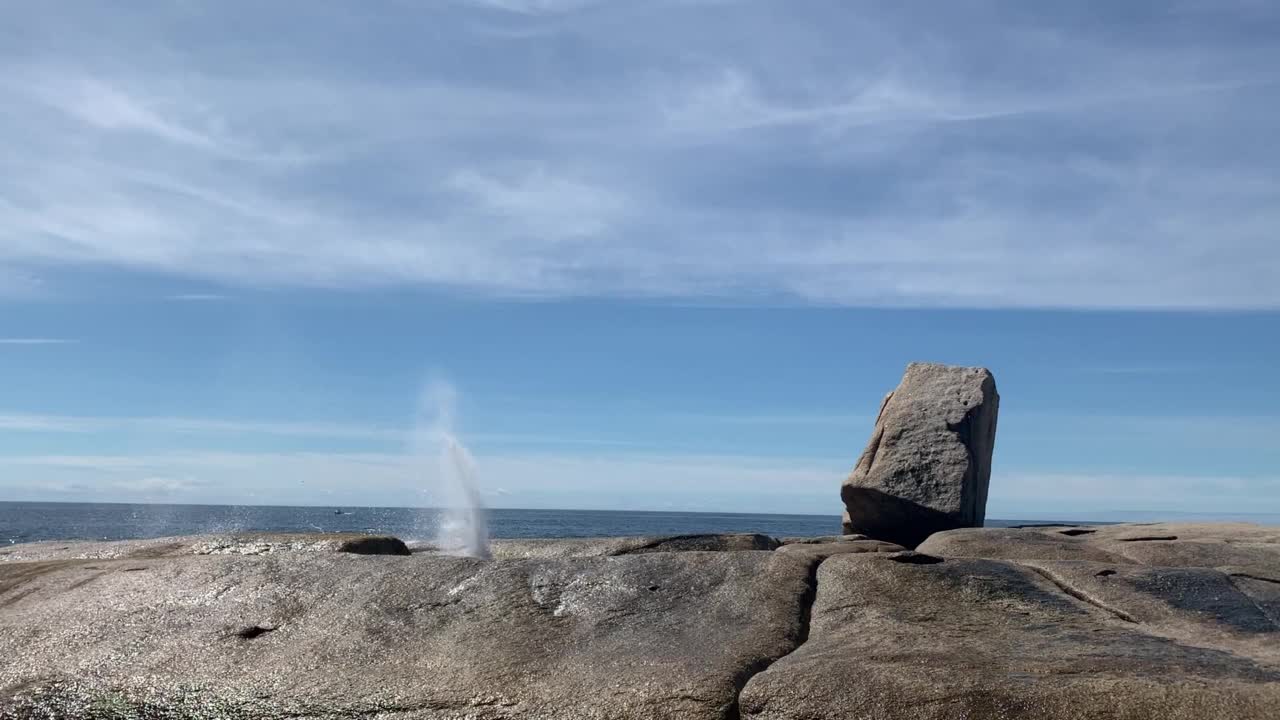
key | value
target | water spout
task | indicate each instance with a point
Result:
(462, 526)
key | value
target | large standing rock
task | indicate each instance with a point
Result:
(928, 464)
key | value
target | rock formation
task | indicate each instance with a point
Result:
(928, 463)
(1168, 622)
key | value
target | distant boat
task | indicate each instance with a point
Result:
(340, 512)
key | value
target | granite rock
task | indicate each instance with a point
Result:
(928, 464)
(996, 639)
(655, 635)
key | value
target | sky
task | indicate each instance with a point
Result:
(670, 253)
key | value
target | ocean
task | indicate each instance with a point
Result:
(35, 521)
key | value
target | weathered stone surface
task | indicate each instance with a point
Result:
(825, 550)
(928, 464)
(305, 634)
(610, 546)
(247, 543)
(987, 639)
(808, 540)
(1195, 606)
(1157, 544)
(1074, 623)
(1262, 585)
(716, 543)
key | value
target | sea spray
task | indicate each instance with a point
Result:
(462, 525)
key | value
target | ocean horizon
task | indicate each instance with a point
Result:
(26, 521)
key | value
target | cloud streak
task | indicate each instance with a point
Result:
(723, 483)
(563, 481)
(36, 341)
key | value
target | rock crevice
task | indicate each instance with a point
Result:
(1081, 595)
(807, 600)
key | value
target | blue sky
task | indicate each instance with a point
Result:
(671, 253)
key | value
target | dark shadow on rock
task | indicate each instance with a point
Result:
(886, 517)
(726, 542)
(253, 631)
(911, 557)
(375, 545)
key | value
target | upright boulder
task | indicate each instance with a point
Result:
(928, 464)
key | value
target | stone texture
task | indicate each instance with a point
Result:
(248, 543)
(611, 546)
(826, 550)
(807, 540)
(1158, 544)
(995, 639)
(334, 635)
(928, 464)
(1114, 622)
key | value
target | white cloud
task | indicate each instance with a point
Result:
(850, 156)
(542, 206)
(108, 108)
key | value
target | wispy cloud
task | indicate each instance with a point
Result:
(652, 481)
(851, 155)
(1102, 493)
(202, 426)
(36, 341)
(780, 419)
(725, 483)
(102, 106)
(541, 204)
(198, 431)
(198, 297)
(534, 7)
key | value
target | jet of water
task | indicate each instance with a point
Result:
(463, 527)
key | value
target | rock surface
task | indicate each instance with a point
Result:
(221, 544)
(612, 546)
(827, 549)
(928, 463)
(1060, 622)
(992, 639)
(1166, 544)
(657, 635)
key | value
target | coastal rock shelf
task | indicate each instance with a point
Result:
(1127, 621)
